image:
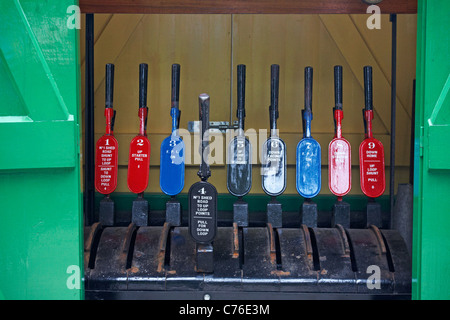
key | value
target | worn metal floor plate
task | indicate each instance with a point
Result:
(248, 259)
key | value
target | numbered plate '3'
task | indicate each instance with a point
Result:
(138, 164)
(171, 178)
(106, 160)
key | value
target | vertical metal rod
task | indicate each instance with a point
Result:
(231, 73)
(89, 147)
(411, 152)
(393, 20)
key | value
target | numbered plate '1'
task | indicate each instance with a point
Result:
(339, 166)
(138, 164)
(308, 165)
(106, 160)
(273, 168)
(371, 167)
(202, 211)
(171, 177)
(239, 167)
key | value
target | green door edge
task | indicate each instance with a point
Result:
(41, 238)
(431, 238)
(38, 263)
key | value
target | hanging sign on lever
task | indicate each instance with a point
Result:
(273, 167)
(371, 150)
(239, 163)
(339, 150)
(139, 155)
(106, 148)
(202, 195)
(171, 178)
(308, 162)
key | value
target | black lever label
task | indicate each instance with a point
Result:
(202, 211)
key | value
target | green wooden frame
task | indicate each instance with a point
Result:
(431, 236)
(41, 240)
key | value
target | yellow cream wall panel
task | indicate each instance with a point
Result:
(209, 47)
(199, 43)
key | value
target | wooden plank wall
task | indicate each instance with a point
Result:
(209, 47)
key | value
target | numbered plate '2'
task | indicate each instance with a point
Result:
(106, 158)
(371, 167)
(202, 211)
(138, 164)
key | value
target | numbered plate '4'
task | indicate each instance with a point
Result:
(371, 167)
(138, 164)
(106, 155)
(202, 211)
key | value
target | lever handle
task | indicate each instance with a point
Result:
(109, 85)
(175, 97)
(143, 109)
(175, 85)
(308, 87)
(274, 87)
(143, 75)
(338, 87)
(368, 88)
(203, 100)
(240, 112)
(307, 112)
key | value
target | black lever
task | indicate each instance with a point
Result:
(240, 112)
(274, 87)
(203, 101)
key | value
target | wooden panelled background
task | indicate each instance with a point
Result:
(209, 47)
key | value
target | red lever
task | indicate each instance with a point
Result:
(338, 116)
(143, 121)
(368, 115)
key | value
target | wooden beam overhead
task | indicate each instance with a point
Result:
(243, 6)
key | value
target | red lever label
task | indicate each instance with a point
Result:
(106, 164)
(138, 164)
(371, 167)
(339, 166)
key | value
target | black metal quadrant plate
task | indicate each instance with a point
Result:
(202, 211)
